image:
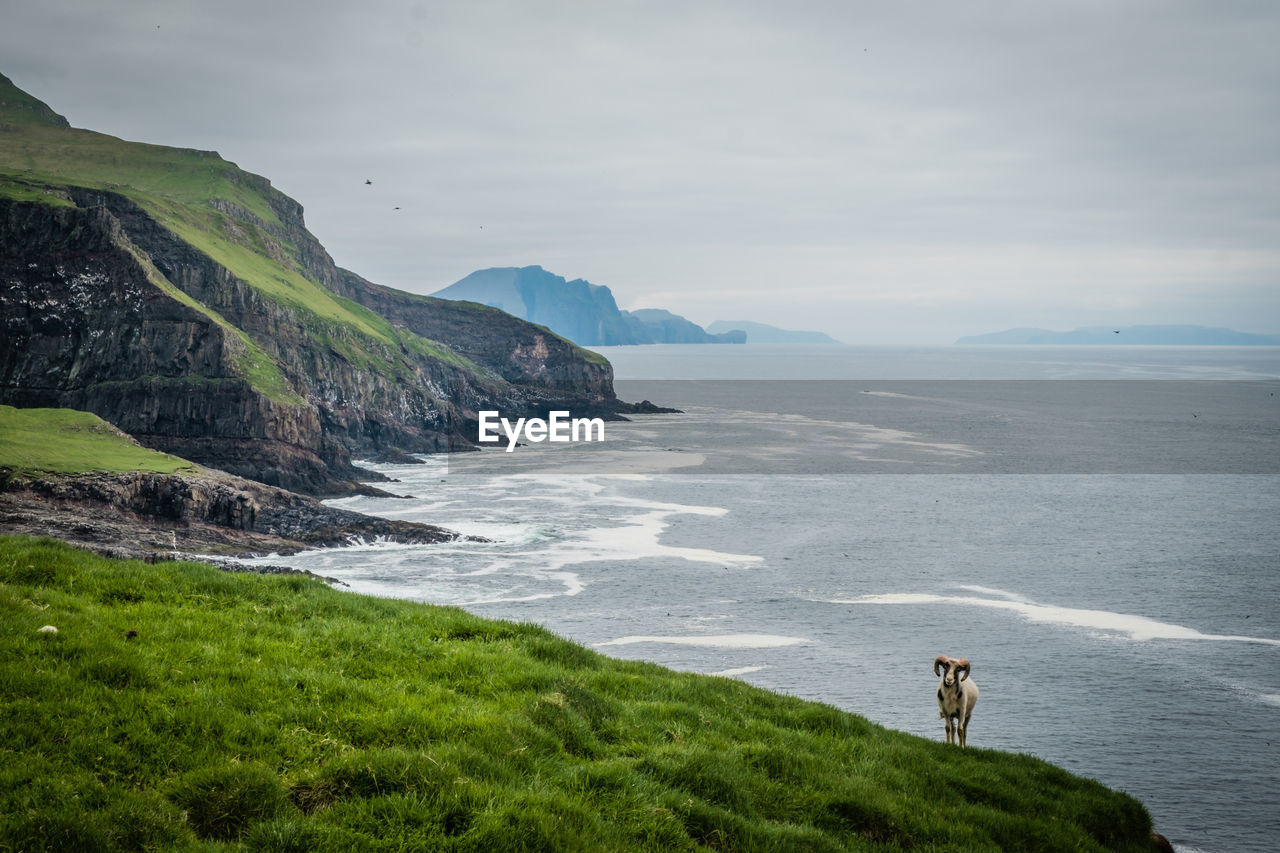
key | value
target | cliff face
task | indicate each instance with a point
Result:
(86, 328)
(517, 351)
(183, 300)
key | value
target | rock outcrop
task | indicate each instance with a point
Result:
(145, 516)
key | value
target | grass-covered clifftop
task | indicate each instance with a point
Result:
(73, 476)
(180, 707)
(64, 441)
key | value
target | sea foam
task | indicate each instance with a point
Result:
(1138, 628)
(741, 670)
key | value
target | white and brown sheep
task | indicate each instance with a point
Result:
(957, 694)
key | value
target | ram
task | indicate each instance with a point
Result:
(957, 694)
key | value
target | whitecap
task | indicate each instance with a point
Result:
(639, 537)
(1138, 628)
(531, 545)
(742, 670)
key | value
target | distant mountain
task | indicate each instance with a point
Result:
(585, 313)
(762, 333)
(1133, 335)
(667, 328)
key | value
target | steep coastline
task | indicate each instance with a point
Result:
(87, 328)
(184, 300)
(107, 311)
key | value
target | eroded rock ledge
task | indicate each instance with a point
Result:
(160, 516)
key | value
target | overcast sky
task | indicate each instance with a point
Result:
(887, 172)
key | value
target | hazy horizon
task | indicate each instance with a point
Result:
(884, 174)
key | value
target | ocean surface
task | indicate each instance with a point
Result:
(1096, 528)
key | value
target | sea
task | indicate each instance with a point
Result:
(1097, 529)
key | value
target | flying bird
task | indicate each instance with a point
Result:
(367, 181)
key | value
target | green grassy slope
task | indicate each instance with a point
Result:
(274, 713)
(63, 156)
(19, 108)
(64, 441)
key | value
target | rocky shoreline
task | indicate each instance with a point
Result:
(209, 516)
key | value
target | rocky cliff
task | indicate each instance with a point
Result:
(183, 300)
(519, 352)
(86, 327)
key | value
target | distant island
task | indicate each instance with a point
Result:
(1129, 335)
(762, 333)
(585, 313)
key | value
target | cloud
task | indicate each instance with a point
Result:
(821, 161)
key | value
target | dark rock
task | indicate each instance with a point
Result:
(644, 407)
(155, 516)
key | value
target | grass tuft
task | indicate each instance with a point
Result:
(221, 802)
